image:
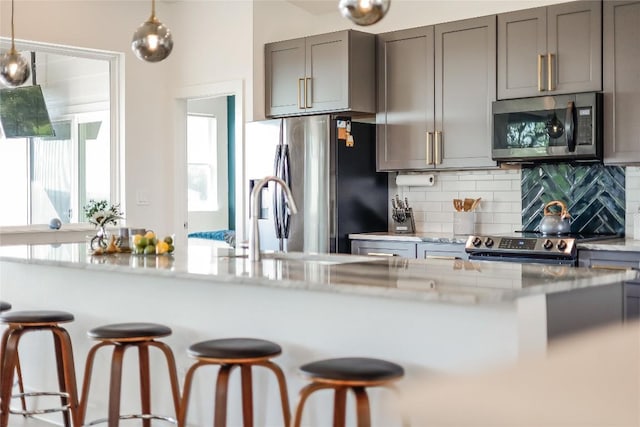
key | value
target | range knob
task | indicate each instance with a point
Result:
(562, 245)
(548, 244)
(488, 242)
(476, 241)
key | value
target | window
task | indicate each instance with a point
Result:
(202, 158)
(53, 177)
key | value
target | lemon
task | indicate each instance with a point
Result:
(136, 239)
(150, 235)
(162, 247)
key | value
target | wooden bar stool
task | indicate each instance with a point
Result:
(19, 323)
(355, 373)
(230, 353)
(122, 336)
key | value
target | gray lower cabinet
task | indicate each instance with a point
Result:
(435, 88)
(632, 300)
(441, 251)
(608, 259)
(323, 73)
(550, 50)
(621, 38)
(383, 248)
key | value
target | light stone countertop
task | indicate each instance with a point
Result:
(624, 245)
(450, 281)
(413, 237)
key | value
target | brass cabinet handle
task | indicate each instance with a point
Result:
(550, 78)
(380, 254)
(308, 97)
(611, 267)
(300, 104)
(429, 156)
(438, 147)
(540, 87)
(446, 257)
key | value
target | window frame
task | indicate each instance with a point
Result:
(116, 100)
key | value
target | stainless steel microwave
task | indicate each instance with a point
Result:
(548, 128)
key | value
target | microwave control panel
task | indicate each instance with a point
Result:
(584, 128)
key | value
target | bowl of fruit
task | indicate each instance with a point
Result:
(150, 244)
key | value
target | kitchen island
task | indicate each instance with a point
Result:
(433, 316)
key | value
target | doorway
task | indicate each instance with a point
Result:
(209, 133)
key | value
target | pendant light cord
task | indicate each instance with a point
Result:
(153, 8)
(13, 46)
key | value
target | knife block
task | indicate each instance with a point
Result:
(406, 225)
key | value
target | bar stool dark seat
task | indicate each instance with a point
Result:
(355, 373)
(19, 323)
(4, 306)
(123, 336)
(230, 353)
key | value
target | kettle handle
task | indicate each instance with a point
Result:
(564, 213)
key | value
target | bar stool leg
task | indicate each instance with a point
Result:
(86, 384)
(69, 373)
(10, 340)
(282, 384)
(339, 406)
(184, 404)
(145, 386)
(62, 384)
(115, 385)
(304, 394)
(222, 387)
(247, 395)
(173, 373)
(362, 407)
(23, 400)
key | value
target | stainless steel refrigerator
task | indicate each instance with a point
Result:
(329, 163)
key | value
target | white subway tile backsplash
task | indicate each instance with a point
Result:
(494, 185)
(499, 190)
(459, 185)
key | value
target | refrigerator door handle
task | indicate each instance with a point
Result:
(276, 208)
(286, 177)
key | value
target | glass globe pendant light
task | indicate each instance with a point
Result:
(364, 12)
(152, 41)
(14, 69)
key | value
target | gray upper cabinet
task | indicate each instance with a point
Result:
(405, 98)
(323, 73)
(621, 82)
(435, 88)
(555, 49)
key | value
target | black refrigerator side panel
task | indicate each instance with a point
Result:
(362, 194)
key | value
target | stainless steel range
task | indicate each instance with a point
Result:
(529, 247)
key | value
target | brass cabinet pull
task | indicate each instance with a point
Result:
(300, 104)
(550, 78)
(308, 97)
(429, 156)
(611, 267)
(540, 87)
(446, 257)
(381, 254)
(438, 147)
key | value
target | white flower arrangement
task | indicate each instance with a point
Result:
(100, 213)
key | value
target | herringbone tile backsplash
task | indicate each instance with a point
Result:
(594, 195)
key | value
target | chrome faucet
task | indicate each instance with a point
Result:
(254, 236)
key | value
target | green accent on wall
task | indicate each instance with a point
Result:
(231, 159)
